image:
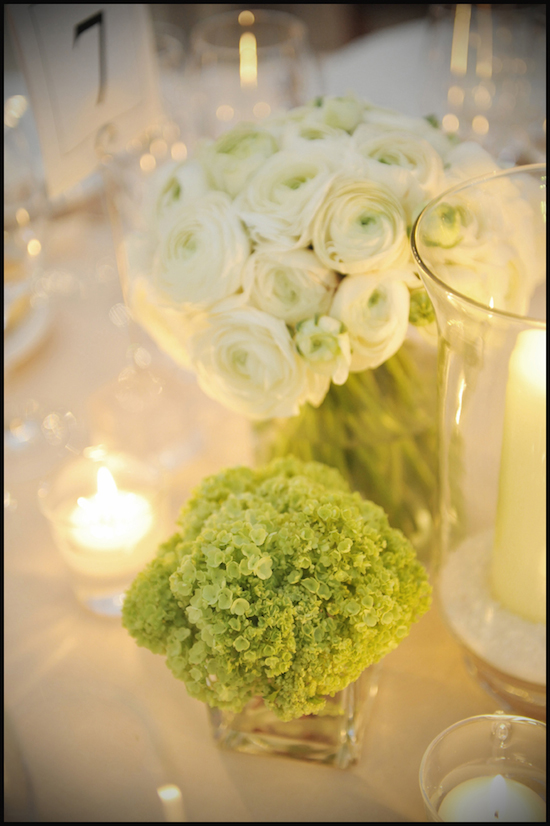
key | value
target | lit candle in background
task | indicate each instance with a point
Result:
(518, 569)
(107, 513)
(461, 39)
(110, 520)
(172, 803)
(108, 533)
(248, 60)
(492, 800)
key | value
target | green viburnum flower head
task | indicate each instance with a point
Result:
(279, 583)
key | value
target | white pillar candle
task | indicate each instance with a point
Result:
(492, 800)
(518, 569)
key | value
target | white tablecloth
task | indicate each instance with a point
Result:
(98, 723)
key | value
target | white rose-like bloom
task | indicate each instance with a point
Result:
(485, 247)
(409, 152)
(289, 284)
(393, 121)
(170, 328)
(235, 156)
(468, 160)
(360, 227)
(246, 360)
(375, 312)
(202, 253)
(280, 201)
(324, 344)
(339, 112)
(307, 133)
(177, 186)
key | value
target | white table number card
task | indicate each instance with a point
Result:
(85, 66)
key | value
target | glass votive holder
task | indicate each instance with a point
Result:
(489, 768)
(107, 514)
(246, 65)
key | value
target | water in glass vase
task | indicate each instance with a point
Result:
(334, 737)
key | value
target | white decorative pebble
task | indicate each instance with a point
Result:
(508, 642)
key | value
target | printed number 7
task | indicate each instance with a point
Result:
(80, 28)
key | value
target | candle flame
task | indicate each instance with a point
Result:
(111, 519)
(107, 494)
(106, 485)
(248, 68)
(497, 794)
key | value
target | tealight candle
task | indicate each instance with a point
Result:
(492, 800)
(486, 769)
(106, 515)
(110, 520)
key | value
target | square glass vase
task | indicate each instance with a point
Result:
(334, 737)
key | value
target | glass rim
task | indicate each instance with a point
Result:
(497, 716)
(471, 182)
(297, 29)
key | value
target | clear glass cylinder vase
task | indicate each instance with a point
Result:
(481, 250)
(334, 737)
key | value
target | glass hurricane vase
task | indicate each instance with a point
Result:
(481, 249)
(333, 737)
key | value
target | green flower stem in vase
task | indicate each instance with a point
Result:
(379, 430)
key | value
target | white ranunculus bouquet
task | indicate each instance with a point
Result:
(277, 260)
(276, 265)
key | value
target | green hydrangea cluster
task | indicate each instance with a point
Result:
(280, 583)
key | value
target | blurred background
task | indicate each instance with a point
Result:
(331, 25)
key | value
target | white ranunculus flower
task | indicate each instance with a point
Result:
(464, 241)
(360, 227)
(246, 360)
(392, 121)
(289, 284)
(492, 276)
(177, 186)
(468, 160)
(170, 328)
(279, 202)
(308, 133)
(318, 386)
(375, 312)
(202, 253)
(233, 158)
(324, 344)
(339, 112)
(407, 151)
